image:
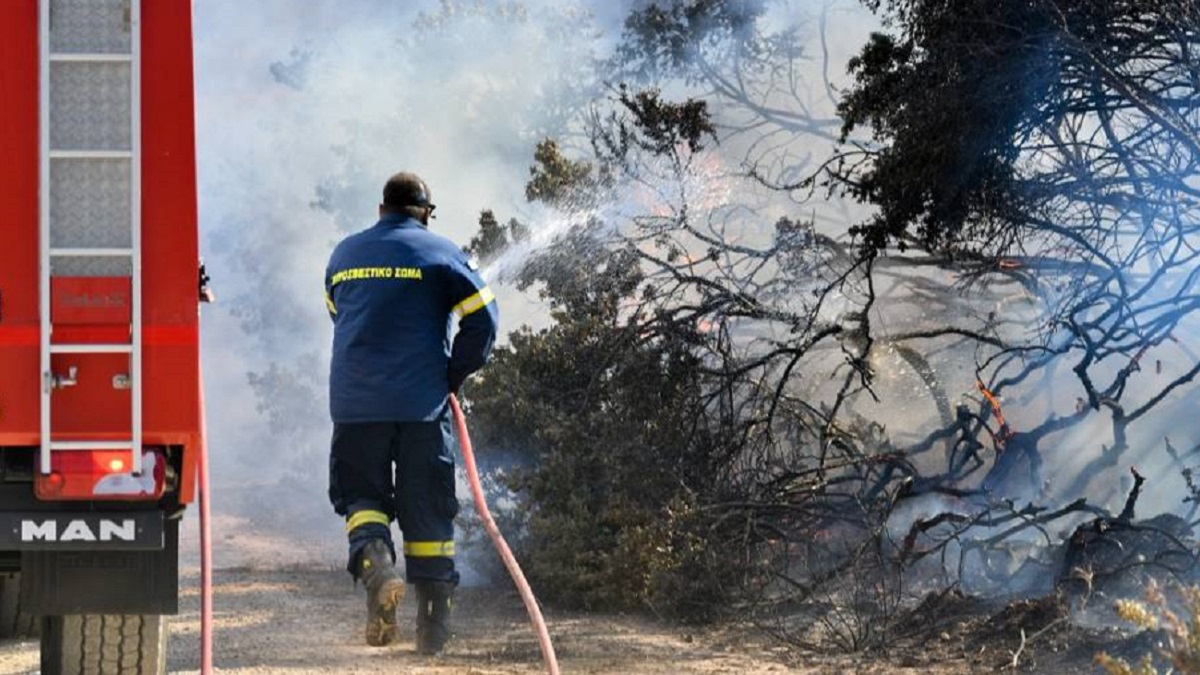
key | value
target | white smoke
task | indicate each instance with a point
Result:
(303, 110)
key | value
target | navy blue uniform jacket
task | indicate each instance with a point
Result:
(392, 291)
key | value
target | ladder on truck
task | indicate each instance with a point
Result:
(90, 184)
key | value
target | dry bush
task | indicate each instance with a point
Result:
(1181, 629)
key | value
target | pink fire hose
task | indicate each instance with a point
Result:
(535, 614)
(206, 664)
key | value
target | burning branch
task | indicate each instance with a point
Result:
(1004, 433)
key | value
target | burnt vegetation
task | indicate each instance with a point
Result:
(936, 366)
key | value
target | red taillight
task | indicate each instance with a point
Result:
(101, 475)
(52, 485)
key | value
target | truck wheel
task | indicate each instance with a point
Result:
(99, 644)
(15, 624)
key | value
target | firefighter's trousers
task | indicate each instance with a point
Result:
(402, 471)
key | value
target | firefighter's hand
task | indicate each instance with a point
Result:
(206, 294)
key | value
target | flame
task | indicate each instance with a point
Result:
(1005, 432)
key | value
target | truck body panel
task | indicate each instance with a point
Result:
(89, 308)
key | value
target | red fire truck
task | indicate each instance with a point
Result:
(100, 419)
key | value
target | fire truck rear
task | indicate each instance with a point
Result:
(99, 331)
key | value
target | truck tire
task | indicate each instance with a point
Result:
(15, 624)
(104, 644)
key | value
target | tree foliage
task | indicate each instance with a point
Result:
(603, 415)
(962, 95)
(670, 37)
(1052, 144)
(494, 237)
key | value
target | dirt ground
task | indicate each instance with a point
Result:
(303, 621)
(308, 621)
(301, 615)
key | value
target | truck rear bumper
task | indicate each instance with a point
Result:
(86, 557)
(122, 581)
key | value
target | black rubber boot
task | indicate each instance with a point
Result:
(435, 600)
(385, 590)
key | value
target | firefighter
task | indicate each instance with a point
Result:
(391, 291)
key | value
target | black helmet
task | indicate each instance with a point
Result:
(406, 189)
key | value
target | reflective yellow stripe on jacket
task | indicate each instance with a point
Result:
(475, 302)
